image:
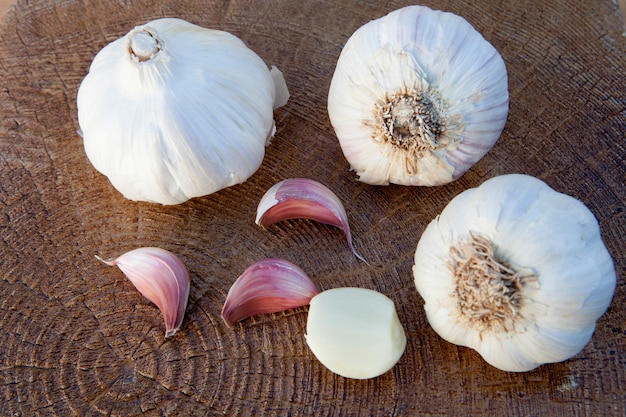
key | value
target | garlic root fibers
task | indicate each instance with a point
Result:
(489, 291)
(411, 122)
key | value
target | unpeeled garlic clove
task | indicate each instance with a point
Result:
(268, 286)
(161, 277)
(297, 198)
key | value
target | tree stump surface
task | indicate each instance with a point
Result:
(76, 337)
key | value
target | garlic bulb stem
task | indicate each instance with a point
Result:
(143, 45)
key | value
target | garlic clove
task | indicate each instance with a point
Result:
(161, 277)
(355, 332)
(173, 111)
(304, 198)
(268, 286)
(418, 96)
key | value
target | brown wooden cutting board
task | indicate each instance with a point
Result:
(76, 338)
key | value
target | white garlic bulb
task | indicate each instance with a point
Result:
(417, 97)
(173, 111)
(516, 271)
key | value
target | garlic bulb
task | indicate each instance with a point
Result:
(173, 111)
(516, 271)
(417, 97)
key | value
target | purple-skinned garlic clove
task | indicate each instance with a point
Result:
(267, 286)
(302, 198)
(161, 277)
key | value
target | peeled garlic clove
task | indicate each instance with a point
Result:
(355, 332)
(173, 111)
(268, 286)
(516, 271)
(417, 97)
(303, 198)
(161, 277)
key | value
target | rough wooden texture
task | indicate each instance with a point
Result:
(77, 339)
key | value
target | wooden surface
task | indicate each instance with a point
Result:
(77, 339)
(4, 6)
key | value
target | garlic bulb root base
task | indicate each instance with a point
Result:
(411, 122)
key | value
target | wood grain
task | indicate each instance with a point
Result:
(4, 6)
(77, 339)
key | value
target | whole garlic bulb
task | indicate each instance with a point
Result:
(173, 111)
(417, 97)
(516, 271)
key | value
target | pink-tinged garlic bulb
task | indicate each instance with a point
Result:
(161, 277)
(302, 198)
(417, 97)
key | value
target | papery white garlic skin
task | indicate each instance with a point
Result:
(355, 332)
(173, 111)
(268, 286)
(417, 61)
(161, 277)
(553, 242)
